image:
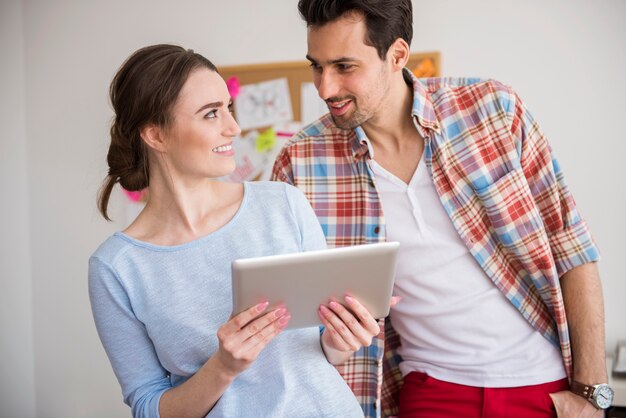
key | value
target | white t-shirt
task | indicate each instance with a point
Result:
(454, 324)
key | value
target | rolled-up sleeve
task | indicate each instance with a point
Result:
(569, 237)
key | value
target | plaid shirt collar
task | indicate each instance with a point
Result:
(422, 111)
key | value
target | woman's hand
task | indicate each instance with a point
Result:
(242, 338)
(347, 330)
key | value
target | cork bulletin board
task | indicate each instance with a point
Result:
(268, 105)
(423, 64)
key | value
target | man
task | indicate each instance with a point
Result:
(502, 300)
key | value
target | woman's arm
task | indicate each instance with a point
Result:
(145, 382)
(240, 341)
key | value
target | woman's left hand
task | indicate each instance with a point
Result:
(347, 330)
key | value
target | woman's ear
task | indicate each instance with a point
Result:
(152, 136)
(399, 52)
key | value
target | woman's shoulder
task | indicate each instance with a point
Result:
(112, 248)
(273, 192)
(266, 186)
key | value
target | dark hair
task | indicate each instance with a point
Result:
(385, 20)
(143, 91)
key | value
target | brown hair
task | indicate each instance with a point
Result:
(143, 91)
(385, 20)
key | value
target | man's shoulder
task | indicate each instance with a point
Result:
(468, 92)
(435, 84)
(459, 86)
(463, 85)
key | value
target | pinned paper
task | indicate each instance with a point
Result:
(266, 140)
(312, 106)
(249, 163)
(425, 68)
(263, 104)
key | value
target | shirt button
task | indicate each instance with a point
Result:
(377, 229)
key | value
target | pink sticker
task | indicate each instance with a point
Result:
(233, 87)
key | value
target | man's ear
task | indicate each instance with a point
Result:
(152, 136)
(399, 52)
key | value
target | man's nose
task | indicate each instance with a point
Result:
(327, 86)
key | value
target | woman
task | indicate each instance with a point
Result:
(160, 290)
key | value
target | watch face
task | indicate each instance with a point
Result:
(603, 395)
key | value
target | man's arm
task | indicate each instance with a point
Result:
(584, 305)
(574, 253)
(582, 297)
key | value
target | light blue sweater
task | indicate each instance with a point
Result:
(157, 310)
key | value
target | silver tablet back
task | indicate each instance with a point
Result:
(303, 281)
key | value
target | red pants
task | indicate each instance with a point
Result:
(426, 397)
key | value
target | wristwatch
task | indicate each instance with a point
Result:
(600, 395)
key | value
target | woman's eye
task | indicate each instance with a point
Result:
(211, 115)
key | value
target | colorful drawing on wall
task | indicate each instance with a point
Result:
(256, 151)
(263, 104)
(312, 105)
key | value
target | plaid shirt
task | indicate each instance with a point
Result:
(498, 181)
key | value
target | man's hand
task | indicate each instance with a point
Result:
(570, 405)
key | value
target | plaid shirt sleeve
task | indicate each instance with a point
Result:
(504, 190)
(569, 238)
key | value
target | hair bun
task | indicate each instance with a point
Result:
(134, 180)
(127, 165)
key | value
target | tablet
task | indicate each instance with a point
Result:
(304, 281)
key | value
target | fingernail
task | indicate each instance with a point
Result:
(284, 320)
(325, 311)
(261, 306)
(350, 299)
(280, 312)
(334, 304)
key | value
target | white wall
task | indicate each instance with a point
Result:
(560, 55)
(17, 388)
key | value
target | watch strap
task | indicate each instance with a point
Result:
(586, 391)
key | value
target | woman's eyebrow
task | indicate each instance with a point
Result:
(210, 105)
